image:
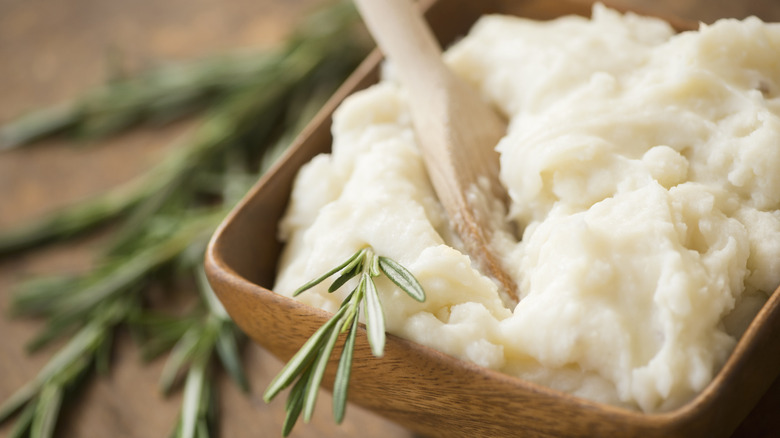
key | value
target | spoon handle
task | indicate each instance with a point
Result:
(456, 129)
(403, 36)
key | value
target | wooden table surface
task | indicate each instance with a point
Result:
(53, 50)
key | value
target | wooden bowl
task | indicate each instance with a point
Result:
(420, 388)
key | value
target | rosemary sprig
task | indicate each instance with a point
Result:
(163, 94)
(158, 95)
(318, 57)
(307, 367)
(164, 218)
(68, 307)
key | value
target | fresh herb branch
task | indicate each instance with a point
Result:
(309, 363)
(161, 221)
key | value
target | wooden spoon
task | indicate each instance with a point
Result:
(456, 129)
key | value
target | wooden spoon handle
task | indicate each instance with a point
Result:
(404, 37)
(456, 129)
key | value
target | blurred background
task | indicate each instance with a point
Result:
(53, 51)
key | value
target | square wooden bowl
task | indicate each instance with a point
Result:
(420, 388)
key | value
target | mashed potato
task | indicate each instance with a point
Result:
(644, 172)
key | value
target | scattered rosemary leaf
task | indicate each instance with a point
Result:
(302, 359)
(193, 394)
(294, 404)
(23, 421)
(341, 381)
(401, 277)
(353, 260)
(375, 318)
(318, 371)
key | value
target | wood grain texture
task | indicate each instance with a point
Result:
(53, 50)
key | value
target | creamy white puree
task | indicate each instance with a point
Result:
(644, 172)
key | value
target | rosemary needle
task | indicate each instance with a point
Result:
(307, 367)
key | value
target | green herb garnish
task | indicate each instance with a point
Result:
(309, 363)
